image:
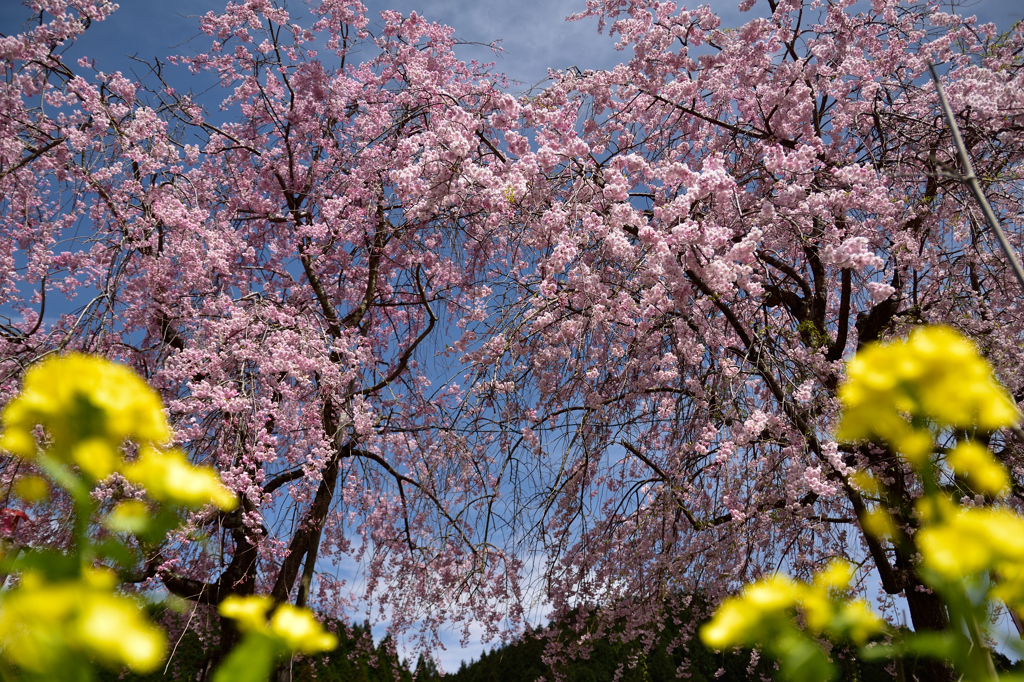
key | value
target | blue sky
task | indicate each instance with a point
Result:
(533, 33)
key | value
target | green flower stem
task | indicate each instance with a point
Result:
(980, 660)
(958, 602)
(84, 505)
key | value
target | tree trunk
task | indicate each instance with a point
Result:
(928, 613)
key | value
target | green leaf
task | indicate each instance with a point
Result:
(940, 645)
(251, 661)
(54, 565)
(159, 526)
(115, 551)
(802, 660)
(129, 516)
(880, 652)
(63, 476)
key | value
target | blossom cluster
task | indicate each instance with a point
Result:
(381, 280)
(904, 393)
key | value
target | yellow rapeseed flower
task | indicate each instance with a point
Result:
(296, 629)
(971, 541)
(740, 620)
(865, 482)
(817, 607)
(973, 461)
(731, 626)
(43, 623)
(772, 594)
(936, 375)
(879, 524)
(856, 620)
(836, 575)
(764, 611)
(32, 488)
(97, 457)
(300, 631)
(250, 612)
(88, 406)
(168, 477)
(1010, 587)
(130, 516)
(118, 632)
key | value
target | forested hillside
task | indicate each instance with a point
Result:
(358, 659)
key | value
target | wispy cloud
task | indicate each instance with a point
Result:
(533, 34)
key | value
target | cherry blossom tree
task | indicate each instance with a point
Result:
(589, 337)
(730, 214)
(279, 278)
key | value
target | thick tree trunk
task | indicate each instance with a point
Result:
(928, 613)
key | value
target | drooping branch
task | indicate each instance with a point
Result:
(403, 361)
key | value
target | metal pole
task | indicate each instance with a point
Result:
(972, 180)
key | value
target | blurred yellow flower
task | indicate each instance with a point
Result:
(879, 523)
(973, 461)
(88, 406)
(300, 631)
(971, 541)
(168, 477)
(1010, 587)
(857, 621)
(32, 488)
(818, 608)
(119, 633)
(740, 620)
(130, 516)
(836, 575)
(96, 457)
(42, 623)
(764, 611)
(249, 612)
(772, 594)
(916, 445)
(865, 482)
(732, 625)
(296, 629)
(937, 375)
